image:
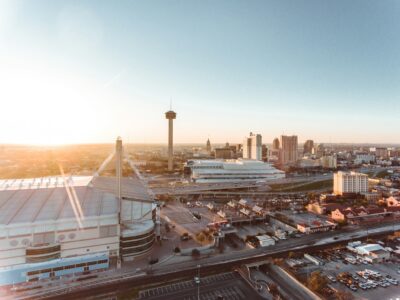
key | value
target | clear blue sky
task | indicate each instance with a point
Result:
(87, 71)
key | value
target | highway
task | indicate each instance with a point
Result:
(193, 188)
(225, 262)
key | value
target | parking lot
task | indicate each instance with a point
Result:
(371, 286)
(227, 285)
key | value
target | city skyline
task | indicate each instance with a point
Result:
(317, 69)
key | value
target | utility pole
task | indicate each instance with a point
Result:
(198, 282)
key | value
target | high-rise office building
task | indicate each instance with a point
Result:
(349, 182)
(308, 147)
(208, 146)
(289, 147)
(381, 152)
(275, 144)
(252, 147)
(319, 150)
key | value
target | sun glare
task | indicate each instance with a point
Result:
(44, 108)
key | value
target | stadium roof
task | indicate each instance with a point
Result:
(51, 199)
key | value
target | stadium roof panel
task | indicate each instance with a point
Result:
(49, 199)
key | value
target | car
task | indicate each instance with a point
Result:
(353, 287)
(185, 236)
(331, 278)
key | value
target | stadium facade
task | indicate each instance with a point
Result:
(71, 225)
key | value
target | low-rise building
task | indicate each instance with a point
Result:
(373, 252)
(313, 259)
(364, 158)
(316, 226)
(372, 197)
(323, 208)
(358, 215)
(328, 162)
(265, 240)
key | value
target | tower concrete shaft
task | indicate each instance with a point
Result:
(118, 169)
(170, 115)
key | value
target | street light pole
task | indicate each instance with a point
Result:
(198, 284)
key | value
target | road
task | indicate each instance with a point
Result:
(296, 292)
(193, 188)
(219, 263)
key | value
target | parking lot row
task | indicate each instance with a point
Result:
(232, 292)
(165, 290)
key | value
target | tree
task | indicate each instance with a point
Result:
(291, 254)
(201, 237)
(177, 249)
(195, 253)
(317, 282)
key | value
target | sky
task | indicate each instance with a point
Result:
(89, 71)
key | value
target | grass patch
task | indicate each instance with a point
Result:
(319, 185)
(382, 174)
(284, 186)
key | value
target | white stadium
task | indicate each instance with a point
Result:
(232, 170)
(55, 226)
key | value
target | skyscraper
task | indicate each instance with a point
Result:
(288, 149)
(275, 144)
(308, 147)
(252, 147)
(208, 146)
(171, 116)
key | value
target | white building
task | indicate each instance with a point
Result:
(208, 171)
(265, 240)
(252, 147)
(349, 182)
(373, 252)
(364, 158)
(328, 162)
(45, 219)
(308, 163)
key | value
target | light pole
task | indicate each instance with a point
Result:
(198, 282)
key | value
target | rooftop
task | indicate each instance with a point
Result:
(60, 198)
(50, 199)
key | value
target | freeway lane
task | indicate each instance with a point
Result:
(209, 265)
